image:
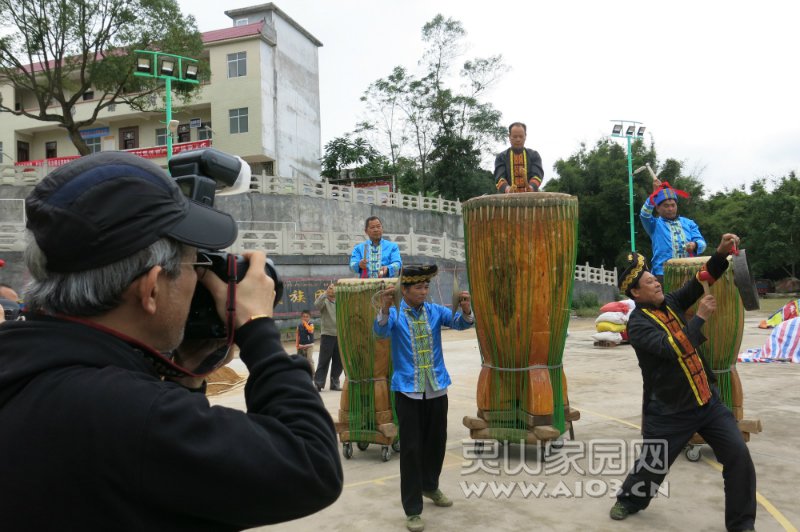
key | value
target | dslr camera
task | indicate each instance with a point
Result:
(201, 175)
(11, 309)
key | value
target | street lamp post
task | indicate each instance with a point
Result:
(630, 134)
(168, 67)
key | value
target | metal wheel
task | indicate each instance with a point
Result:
(362, 445)
(396, 446)
(386, 453)
(693, 453)
(556, 444)
(347, 450)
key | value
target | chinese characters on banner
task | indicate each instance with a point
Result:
(154, 152)
(299, 294)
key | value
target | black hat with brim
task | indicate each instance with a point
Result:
(629, 278)
(104, 207)
(417, 273)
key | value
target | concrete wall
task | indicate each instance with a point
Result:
(605, 293)
(234, 93)
(298, 104)
(316, 214)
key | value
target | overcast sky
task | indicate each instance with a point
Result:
(714, 82)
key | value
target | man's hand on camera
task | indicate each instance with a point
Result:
(255, 293)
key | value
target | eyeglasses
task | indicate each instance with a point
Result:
(200, 267)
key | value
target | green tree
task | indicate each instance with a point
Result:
(447, 129)
(345, 153)
(599, 178)
(58, 50)
(457, 171)
(768, 223)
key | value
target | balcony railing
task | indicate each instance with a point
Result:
(318, 189)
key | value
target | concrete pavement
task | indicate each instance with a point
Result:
(572, 490)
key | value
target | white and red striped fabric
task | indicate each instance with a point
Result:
(782, 345)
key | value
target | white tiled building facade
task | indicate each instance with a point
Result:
(262, 103)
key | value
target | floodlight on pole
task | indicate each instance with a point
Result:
(143, 65)
(629, 135)
(640, 133)
(167, 67)
(170, 67)
(191, 72)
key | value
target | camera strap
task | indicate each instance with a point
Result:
(230, 314)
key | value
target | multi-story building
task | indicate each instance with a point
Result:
(261, 103)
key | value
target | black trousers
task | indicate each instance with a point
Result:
(716, 424)
(328, 356)
(423, 436)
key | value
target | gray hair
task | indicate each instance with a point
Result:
(93, 292)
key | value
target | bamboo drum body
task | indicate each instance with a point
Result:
(723, 329)
(521, 263)
(366, 403)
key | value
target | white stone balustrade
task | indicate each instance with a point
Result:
(595, 275)
(319, 189)
(287, 241)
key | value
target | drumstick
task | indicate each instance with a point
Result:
(704, 277)
(364, 272)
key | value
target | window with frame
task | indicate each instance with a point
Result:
(241, 22)
(204, 131)
(93, 144)
(161, 136)
(238, 119)
(50, 150)
(237, 64)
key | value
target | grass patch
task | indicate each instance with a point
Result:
(586, 305)
(771, 304)
(587, 312)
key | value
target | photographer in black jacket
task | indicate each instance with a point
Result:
(102, 428)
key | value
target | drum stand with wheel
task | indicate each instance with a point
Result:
(393, 444)
(485, 433)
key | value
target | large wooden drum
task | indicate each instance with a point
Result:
(521, 263)
(723, 329)
(365, 408)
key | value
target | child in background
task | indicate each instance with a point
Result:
(305, 338)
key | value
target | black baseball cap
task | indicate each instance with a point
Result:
(104, 207)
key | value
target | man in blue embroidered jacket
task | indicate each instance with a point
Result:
(680, 394)
(375, 257)
(420, 382)
(672, 236)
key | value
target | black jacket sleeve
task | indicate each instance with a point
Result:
(276, 462)
(687, 295)
(535, 167)
(501, 174)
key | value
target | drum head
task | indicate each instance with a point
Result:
(744, 281)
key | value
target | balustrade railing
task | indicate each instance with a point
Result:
(283, 238)
(319, 189)
(595, 275)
